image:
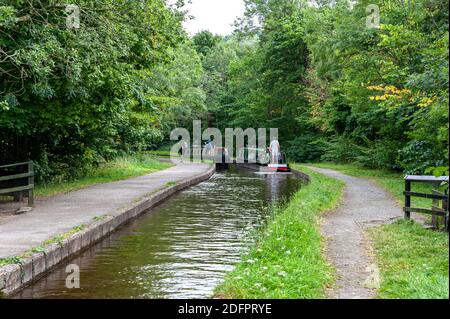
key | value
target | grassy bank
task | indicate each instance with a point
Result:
(287, 260)
(413, 261)
(119, 169)
(162, 153)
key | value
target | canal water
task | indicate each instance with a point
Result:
(182, 248)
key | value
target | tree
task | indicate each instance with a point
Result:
(72, 97)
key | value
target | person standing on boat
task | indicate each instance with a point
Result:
(209, 146)
(274, 151)
(184, 152)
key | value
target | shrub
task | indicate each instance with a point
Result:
(417, 156)
(340, 149)
(305, 148)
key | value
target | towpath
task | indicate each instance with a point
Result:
(364, 204)
(62, 213)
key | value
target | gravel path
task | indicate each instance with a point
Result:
(364, 204)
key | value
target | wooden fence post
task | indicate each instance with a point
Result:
(30, 182)
(407, 199)
(445, 208)
(435, 220)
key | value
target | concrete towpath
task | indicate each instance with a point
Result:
(60, 214)
(364, 204)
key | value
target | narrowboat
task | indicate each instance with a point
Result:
(260, 160)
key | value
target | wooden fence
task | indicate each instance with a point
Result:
(440, 199)
(17, 180)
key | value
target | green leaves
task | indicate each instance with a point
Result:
(406, 122)
(437, 171)
(129, 74)
(78, 96)
(7, 16)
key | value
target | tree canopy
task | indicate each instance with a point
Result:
(336, 88)
(340, 90)
(72, 97)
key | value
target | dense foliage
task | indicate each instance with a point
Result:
(336, 88)
(74, 97)
(382, 93)
(340, 90)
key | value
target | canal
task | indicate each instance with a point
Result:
(181, 249)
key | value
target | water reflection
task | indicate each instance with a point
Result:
(182, 249)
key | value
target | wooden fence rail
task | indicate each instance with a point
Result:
(436, 195)
(17, 180)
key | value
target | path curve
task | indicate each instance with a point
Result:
(347, 249)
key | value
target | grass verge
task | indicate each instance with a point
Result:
(286, 261)
(119, 169)
(162, 153)
(413, 261)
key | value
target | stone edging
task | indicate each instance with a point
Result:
(14, 277)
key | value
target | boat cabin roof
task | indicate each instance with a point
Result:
(253, 149)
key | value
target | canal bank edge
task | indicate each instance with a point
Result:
(15, 276)
(303, 176)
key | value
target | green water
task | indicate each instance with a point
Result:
(180, 249)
